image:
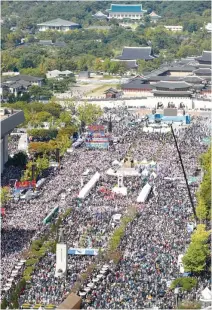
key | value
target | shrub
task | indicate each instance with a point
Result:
(36, 245)
(186, 283)
(31, 261)
(186, 304)
(29, 270)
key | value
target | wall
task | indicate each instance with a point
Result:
(4, 151)
(2, 156)
(174, 73)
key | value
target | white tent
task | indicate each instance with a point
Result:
(144, 162)
(87, 188)
(115, 217)
(144, 193)
(206, 295)
(111, 172)
(153, 174)
(145, 173)
(87, 289)
(152, 163)
(23, 143)
(115, 163)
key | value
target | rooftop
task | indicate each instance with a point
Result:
(99, 14)
(205, 71)
(27, 78)
(171, 85)
(136, 53)
(10, 119)
(130, 64)
(131, 8)
(137, 83)
(58, 22)
(206, 56)
(112, 90)
(168, 92)
(154, 15)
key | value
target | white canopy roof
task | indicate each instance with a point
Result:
(145, 172)
(206, 295)
(115, 163)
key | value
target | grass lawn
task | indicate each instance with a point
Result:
(99, 91)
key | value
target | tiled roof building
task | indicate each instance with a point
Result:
(136, 53)
(126, 11)
(57, 24)
(205, 58)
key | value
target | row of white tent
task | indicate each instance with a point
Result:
(13, 275)
(95, 280)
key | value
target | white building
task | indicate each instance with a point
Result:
(57, 24)
(208, 27)
(126, 11)
(57, 74)
(174, 28)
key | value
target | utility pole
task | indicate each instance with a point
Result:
(184, 173)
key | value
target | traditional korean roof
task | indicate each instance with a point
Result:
(171, 85)
(182, 69)
(58, 22)
(100, 15)
(136, 53)
(126, 8)
(27, 78)
(205, 71)
(163, 92)
(153, 15)
(192, 79)
(17, 84)
(206, 56)
(45, 42)
(60, 44)
(164, 78)
(137, 83)
(198, 86)
(112, 90)
(130, 64)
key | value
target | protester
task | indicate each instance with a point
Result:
(152, 242)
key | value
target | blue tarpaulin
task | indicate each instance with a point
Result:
(77, 251)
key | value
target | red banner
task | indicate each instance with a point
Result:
(96, 128)
(25, 184)
(2, 211)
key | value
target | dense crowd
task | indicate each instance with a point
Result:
(152, 242)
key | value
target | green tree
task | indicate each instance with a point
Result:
(37, 91)
(41, 164)
(186, 283)
(8, 63)
(204, 193)
(4, 195)
(195, 258)
(65, 117)
(4, 303)
(198, 251)
(200, 235)
(89, 113)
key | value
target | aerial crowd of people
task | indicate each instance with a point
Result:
(152, 241)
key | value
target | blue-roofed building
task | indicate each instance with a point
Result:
(126, 11)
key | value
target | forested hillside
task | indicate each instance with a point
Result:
(81, 11)
(84, 49)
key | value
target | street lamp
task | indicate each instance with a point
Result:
(184, 173)
(176, 293)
